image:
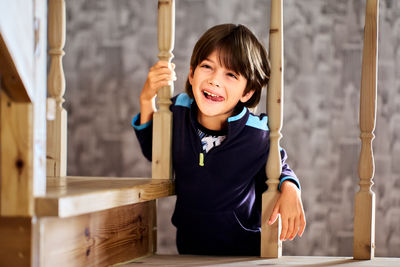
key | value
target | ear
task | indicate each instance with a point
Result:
(190, 75)
(247, 96)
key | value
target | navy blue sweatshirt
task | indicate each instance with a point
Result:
(218, 206)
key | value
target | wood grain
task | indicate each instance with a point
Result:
(57, 128)
(71, 196)
(271, 246)
(162, 119)
(99, 239)
(16, 159)
(16, 49)
(15, 245)
(364, 210)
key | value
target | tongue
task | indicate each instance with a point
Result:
(215, 98)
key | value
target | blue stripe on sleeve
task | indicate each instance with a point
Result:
(139, 127)
(293, 180)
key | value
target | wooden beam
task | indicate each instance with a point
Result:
(364, 209)
(271, 246)
(10, 77)
(98, 239)
(16, 160)
(162, 119)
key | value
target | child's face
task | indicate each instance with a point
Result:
(217, 90)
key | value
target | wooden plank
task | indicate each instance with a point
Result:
(16, 49)
(71, 196)
(98, 239)
(288, 261)
(11, 79)
(15, 245)
(16, 159)
(57, 128)
(162, 119)
(40, 95)
(364, 209)
(271, 246)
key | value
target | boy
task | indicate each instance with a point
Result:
(220, 149)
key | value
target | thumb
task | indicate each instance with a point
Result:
(274, 215)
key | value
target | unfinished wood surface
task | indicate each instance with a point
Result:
(162, 119)
(98, 239)
(271, 246)
(364, 211)
(16, 49)
(191, 260)
(16, 160)
(57, 128)
(71, 196)
(15, 245)
(40, 94)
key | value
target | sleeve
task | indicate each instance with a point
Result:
(287, 173)
(144, 134)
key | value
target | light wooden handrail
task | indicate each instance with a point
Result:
(271, 246)
(364, 210)
(162, 119)
(57, 128)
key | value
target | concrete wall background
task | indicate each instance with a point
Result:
(111, 45)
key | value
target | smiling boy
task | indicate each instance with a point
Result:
(219, 148)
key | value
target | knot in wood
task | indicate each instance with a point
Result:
(19, 164)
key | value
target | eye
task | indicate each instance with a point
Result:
(206, 66)
(233, 75)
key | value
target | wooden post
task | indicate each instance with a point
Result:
(16, 157)
(57, 129)
(364, 210)
(271, 246)
(162, 119)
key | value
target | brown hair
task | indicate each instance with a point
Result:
(240, 51)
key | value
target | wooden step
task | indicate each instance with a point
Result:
(75, 195)
(190, 260)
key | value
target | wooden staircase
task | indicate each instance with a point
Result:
(60, 220)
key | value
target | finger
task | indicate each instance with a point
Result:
(274, 215)
(302, 224)
(163, 77)
(295, 228)
(284, 229)
(290, 228)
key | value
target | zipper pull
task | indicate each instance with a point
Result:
(201, 160)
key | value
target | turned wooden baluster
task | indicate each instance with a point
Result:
(271, 246)
(364, 210)
(57, 128)
(162, 119)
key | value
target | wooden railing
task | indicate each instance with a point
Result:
(364, 209)
(270, 244)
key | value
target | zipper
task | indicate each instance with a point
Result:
(201, 159)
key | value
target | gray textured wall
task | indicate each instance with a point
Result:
(111, 45)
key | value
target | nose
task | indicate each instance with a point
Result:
(213, 82)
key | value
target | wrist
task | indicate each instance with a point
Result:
(288, 185)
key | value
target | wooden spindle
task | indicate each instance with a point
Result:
(271, 246)
(162, 119)
(364, 210)
(57, 128)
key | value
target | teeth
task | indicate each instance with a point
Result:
(210, 94)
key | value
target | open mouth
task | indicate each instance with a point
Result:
(212, 97)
